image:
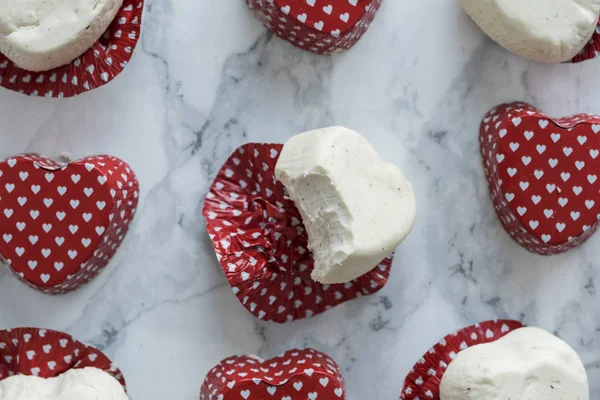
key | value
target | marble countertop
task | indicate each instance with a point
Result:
(206, 78)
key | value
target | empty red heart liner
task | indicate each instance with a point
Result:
(297, 374)
(261, 243)
(60, 224)
(543, 175)
(320, 26)
(96, 67)
(47, 354)
(591, 50)
(423, 381)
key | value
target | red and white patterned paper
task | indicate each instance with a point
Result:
(60, 224)
(320, 26)
(96, 67)
(591, 50)
(543, 175)
(261, 243)
(423, 381)
(297, 374)
(47, 354)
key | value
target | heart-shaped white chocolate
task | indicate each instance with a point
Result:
(356, 208)
(39, 35)
(526, 364)
(540, 30)
(75, 384)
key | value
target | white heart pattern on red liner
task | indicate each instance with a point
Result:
(47, 354)
(60, 224)
(96, 67)
(298, 374)
(320, 26)
(543, 174)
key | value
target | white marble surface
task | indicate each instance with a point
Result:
(206, 78)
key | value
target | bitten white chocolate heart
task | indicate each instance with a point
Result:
(355, 207)
(540, 30)
(39, 35)
(75, 384)
(526, 364)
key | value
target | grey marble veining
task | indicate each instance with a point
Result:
(207, 78)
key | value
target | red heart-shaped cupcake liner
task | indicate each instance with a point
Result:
(261, 243)
(322, 27)
(47, 354)
(423, 381)
(543, 175)
(592, 48)
(60, 224)
(96, 67)
(297, 374)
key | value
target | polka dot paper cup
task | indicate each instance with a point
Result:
(61, 224)
(322, 27)
(542, 175)
(423, 381)
(47, 354)
(261, 243)
(297, 374)
(96, 67)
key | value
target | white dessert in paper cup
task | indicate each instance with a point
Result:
(269, 233)
(42, 364)
(62, 48)
(498, 360)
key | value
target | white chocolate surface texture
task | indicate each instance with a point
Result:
(548, 31)
(75, 384)
(356, 208)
